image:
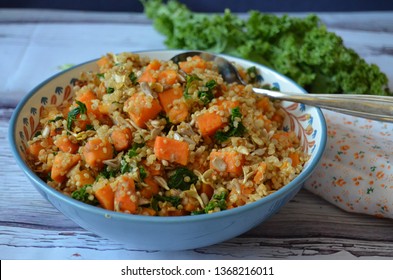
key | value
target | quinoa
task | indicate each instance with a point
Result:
(151, 137)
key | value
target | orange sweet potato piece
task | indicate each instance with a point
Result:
(148, 75)
(35, 148)
(66, 144)
(207, 189)
(106, 197)
(173, 104)
(209, 122)
(142, 108)
(84, 177)
(167, 77)
(62, 163)
(121, 138)
(87, 98)
(192, 63)
(277, 118)
(178, 113)
(226, 105)
(264, 104)
(96, 151)
(151, 189)
(233, 162)
(104, 63)
(168, 96)
(285, 139)
(171, 150)
(126, 199)
(295, 157)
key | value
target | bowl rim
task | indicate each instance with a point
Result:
(38, 182)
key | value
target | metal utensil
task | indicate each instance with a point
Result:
(373, 107)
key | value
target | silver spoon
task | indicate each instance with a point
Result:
(373, 107)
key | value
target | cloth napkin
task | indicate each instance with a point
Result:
(356, 172)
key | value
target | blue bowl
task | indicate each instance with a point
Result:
(167, 233)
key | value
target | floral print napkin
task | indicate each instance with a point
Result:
(355, 172)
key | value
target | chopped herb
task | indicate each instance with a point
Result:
(101, 75)
(38, 133)
(207, 96)
(236, 128)
(211, 84)
(110, 90)
(107, 173)
(174, 200)
(168, 124)
(182, 179)
(124, 167)
(253, 74)
(80, 109)
(133, 78)
(142, 173)
(133, 151)
(90, 127)
(84, 196)
(217, 201)
(49, 177)
(190, 79)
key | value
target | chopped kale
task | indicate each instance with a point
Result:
(182, 179)
(133, 78)
(217, 201)
(107, 173)
(124, 166)
(174, 200)
(100, 75)
(190, 79)
(207, 96)
(142, 173)
(84, 196)
(133, 151)
(80, 109)
(236, 128)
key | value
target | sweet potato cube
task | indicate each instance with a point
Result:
(171, 150)
(142, 108)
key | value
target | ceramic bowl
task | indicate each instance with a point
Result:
(166, 233)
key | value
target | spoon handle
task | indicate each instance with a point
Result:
(372, 107)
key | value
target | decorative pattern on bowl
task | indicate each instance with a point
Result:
(60, 94)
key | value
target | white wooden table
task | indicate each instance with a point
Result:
(34, 44)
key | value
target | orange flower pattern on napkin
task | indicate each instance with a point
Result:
(355, 172)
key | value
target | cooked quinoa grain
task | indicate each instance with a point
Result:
(152, 137)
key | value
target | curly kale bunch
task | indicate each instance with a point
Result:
(300, 48)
